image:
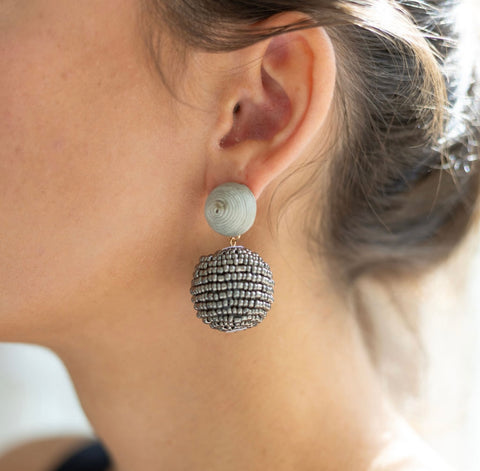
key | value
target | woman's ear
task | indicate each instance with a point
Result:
(273, 105)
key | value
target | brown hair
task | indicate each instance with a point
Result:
(401, 184)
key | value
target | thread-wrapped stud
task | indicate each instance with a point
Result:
(232, 289)
(230, 209)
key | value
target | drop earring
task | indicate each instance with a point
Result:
(232, 289)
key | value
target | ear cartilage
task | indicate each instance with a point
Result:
(232, 289)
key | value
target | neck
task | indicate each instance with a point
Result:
(163, 391)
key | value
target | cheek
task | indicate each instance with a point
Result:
(79, 185)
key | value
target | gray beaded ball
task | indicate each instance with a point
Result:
(232, 289)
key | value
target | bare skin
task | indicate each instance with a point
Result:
(103, 177)
(41, 455)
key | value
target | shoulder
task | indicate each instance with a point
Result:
(41, 455)
(406, 451)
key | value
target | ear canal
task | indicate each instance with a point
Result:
(260, 118)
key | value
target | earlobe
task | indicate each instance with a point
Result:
(281, 102)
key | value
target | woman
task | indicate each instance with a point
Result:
(119, 119)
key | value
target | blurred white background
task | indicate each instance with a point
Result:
(37, 398)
